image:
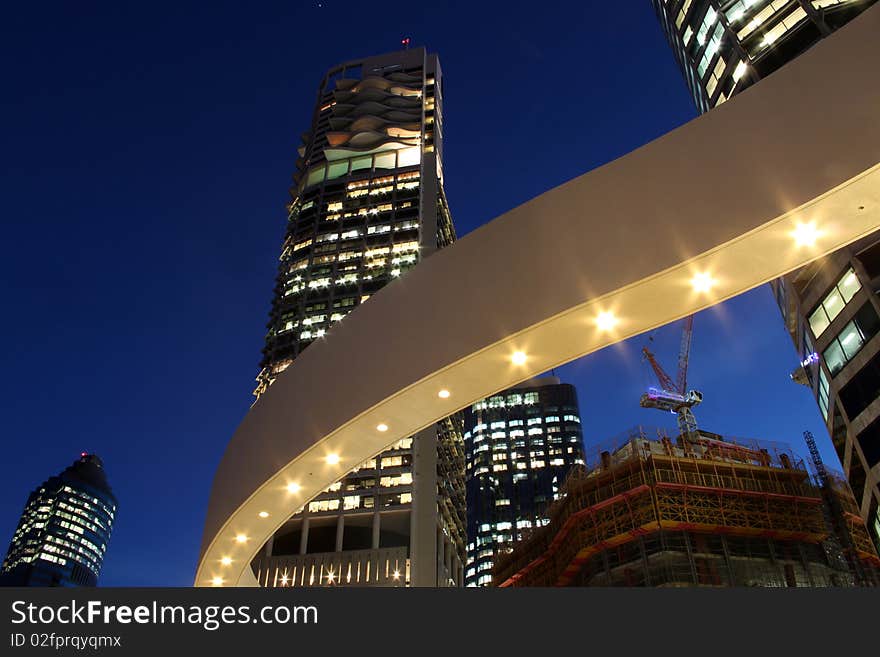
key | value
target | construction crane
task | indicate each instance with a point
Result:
(839, 546)
(670, 395)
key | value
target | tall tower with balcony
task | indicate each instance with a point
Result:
(366, 206)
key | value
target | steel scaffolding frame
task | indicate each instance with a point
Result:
(703, 486)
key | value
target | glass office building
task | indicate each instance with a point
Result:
(367, 205)
(723, 46)
(64, 529)
(520, 445)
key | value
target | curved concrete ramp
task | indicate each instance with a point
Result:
(725, 195)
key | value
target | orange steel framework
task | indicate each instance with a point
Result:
(704, 485)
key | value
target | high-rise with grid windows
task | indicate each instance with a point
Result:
(520, 445)
(366, 206)
(64, 529)
(723, 46)
(830, 307)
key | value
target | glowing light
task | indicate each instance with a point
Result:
(217, 581)
(263, 514)
(443, 394)
(702, 282)
(293, 487)
(396, 574)
(330, 577)
(518, 358)
(332, 459)
(805, 234)
(226, 561)
(382, 427)
(241, 538)
(606, 320)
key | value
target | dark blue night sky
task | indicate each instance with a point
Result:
(147, 149)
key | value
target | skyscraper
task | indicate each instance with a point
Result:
(723, 46)
(519, 445)
(830, 308)
(367, 205)
(64, 529)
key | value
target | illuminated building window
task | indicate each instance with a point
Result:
(823, 393)
(396, 480)
(323, 505)
(834, 302)
(758, 19)
(786, 24)
(682, 13)
(851, 338)
(739, 71)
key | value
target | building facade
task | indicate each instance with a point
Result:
(367, 205)
(830, 307)
(832, 312)
(723, 46)
(64, 529)
(520, 445)
(650, 510)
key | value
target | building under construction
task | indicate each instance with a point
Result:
(650, 510)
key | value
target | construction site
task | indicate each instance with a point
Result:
(699, 509)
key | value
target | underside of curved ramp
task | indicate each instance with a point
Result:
(726, 196)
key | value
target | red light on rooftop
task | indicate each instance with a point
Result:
(83, 455)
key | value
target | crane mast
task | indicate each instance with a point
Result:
(839, 544)
(670, 395)
(684, 354)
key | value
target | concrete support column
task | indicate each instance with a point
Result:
(377, 528)
(423, 514)
(448, 553)
(340, 531)
(441, 560)
(304, 538)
